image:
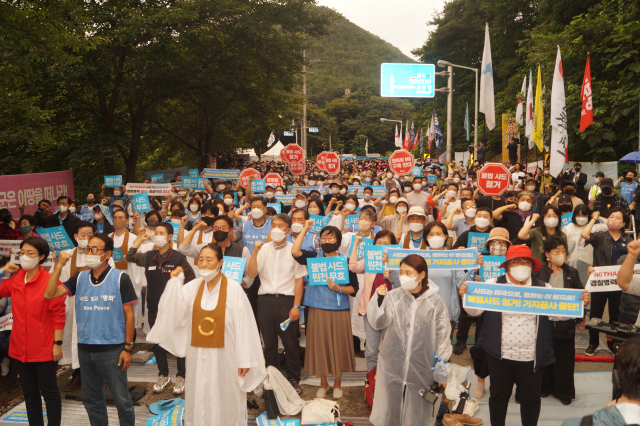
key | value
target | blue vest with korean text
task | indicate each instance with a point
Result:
(627, 191)
(86, 213)
(99, 312)
(322, 297)
(251, 234)
(307, 243)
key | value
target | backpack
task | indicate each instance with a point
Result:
(370, 386)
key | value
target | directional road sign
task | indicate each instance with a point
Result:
(407, 80)
(313, 130)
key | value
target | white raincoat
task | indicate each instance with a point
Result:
(418, 329)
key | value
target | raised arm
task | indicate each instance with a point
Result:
(449, 222)
(523, 234)
(205, 182)
(586, 232)
(53, 290)
(497, 213)
(296, 250)
(253, 262)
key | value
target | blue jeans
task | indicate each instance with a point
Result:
(373, 342)
(99, 367)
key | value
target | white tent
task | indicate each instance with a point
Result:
(250, 151)
(273, 154)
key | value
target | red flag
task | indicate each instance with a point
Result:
(586, 116)
(407, 138)
(416, 139)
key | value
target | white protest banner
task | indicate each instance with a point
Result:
(603, 278)
(9, 246)
(6, 322)
(153, 189)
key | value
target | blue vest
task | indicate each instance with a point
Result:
(192, 219)
(86, 213)
(627, 191)
(307, 243)
(99, 310)
(251, 234)
(322, 297)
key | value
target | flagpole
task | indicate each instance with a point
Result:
(475, 129)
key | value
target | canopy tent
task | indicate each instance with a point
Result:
(251, 152)
(273, 154)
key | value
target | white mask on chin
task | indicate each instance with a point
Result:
(208, 274)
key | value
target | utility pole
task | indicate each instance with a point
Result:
(449, 115)
(303, 135)
(329, 141)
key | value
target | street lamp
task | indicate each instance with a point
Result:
(450, 67)
(396, 121)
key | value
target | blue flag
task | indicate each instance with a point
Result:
(438, 131)
(413, 136)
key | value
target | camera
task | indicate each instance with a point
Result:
(431, 395)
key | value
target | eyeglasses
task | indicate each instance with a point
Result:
(221, 228)
(521, 261)
(93, 250)
(30, 254)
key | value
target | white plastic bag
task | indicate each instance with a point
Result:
(320, 411)
(168, 330)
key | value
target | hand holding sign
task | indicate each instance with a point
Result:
(463, 289)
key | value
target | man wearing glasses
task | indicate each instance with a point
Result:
(105, 328)
(518, 346)
(222, 229)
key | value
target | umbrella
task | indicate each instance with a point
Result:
(632, 157)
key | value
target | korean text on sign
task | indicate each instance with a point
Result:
(437, 259)
(56, 237)
(286, 200)
(361, 246)
(529, 300)
(319, 222)
(477, 240)
(322, 268)
(373, 258)
(604, 278)
(153, 189)
(141, 202)
(221, 174)
(159, 178)
(113, 181)
(494, 179)
(491, 267)
(192, 183)
(233, 268)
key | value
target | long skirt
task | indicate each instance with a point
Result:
(329, 343)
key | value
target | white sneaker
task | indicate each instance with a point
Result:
(178, 388)
(4, 366)
(161, 385)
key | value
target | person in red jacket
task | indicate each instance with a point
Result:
(36, 338)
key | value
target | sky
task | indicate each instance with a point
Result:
(403, 23)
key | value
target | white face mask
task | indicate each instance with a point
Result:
(401, 209)
(409, 283)
(221, 188)
(350, 207)
(531, 188)
(546, 172)
(93, 261)
(193, 207)
(278, 235)
(521, 272)
(416, 227)
(228, 201)
(470, 213)
(436, 242)
(417, 186)
(314, 210)
(335, 191)
(72, 209)
(98, 216)
(312, 182)
(558, 259)
(364, 224)
(27, 263)
(389, 175)
(300, 204)
(396, 176)
(524, 206)
(366, 197)
(63, 209)
(209, 274)
(182, 193)
(82, 243)
(482, 223)
(297, 228)
(343, 191)
(550, 222)
(257, 213)
(174, 195)
(117, 193)
(160, 241)
(279, 193)
(269, 194)
(581, 220)
(451, 194)
(456, 180)
(176, 221)
(393, 200)
(367, 180)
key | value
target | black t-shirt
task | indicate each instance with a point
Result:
(512, 222)
(327, 197)
(493, 205)
(463, 239)
(127, 294)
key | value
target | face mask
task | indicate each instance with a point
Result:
(117, 193)
(176, 221)
(416, 227)
(607, 191)
(470, 213)
(569, 191)
(98, 216)
(408, 188)
(531, 188)
(314, 210)
(565, 208)
(629, 179)
(297, 228)
(396, 176)
(546, 172)
(366, 197)
(208, 274)
(312, 182)
(417, 186)
(356, 183)
(93, 261)
(482, 223)
(456, 180)
(160, 241)
(90, 200)
(279, 193)
(558, 259)
(25, 229)
(389, 175)
(27, 263)
(222, 187)
(521, 272)
(329, 247)
(497, 249)
(408, 283)
(257, 213)
(364, 224)
(220, 236)
(278, 235)
(183, 193)
(299, 204)
(367, 180)
(350, 207)
(436, 242)
(393, 200)
(343, 191)
(269, 194)
(153, 223)
(524, 206)
(63, 209)
(174, 195)
(550, 222)
(581, 220)
(402, 210)
(451, 194)
(82, 243)
(614, 225)
(72, 209)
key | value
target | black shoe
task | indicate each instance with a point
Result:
(458, 348)
(591, 350)
(296, 386)
(565, 401)
(544, 394)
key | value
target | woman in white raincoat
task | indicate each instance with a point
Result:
(579, 254)
(418, 331)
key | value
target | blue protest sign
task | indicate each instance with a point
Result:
(176, 231)
(141, 202)
(306, 189)
(17, 417)
(276, 206)
(416, 172)
(432, 179)
(117, 255)
(351, 220)
(373, 258)
(491, 267)
(567, 219)
(56, 237)
(233, 267)
(477, 240)
(106, 211)
(524, 300)
(159, 178)
(193, 173)
(319, 222)
(113, 181)
(286, 200)
(378, 191)
(172, 417)
(437, 259)
(365, 242)
(192, 183)
(221, 174)
(257, 186)
(322, 268)
(353, 188)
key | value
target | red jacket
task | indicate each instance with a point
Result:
(34, 317)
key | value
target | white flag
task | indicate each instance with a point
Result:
(398, 141)
(487, 103)
(519, 110)
(529, 113)
(432, 131)
(366, 146)
(559, 134)
(271, 140)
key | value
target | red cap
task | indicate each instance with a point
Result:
(521, 251)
